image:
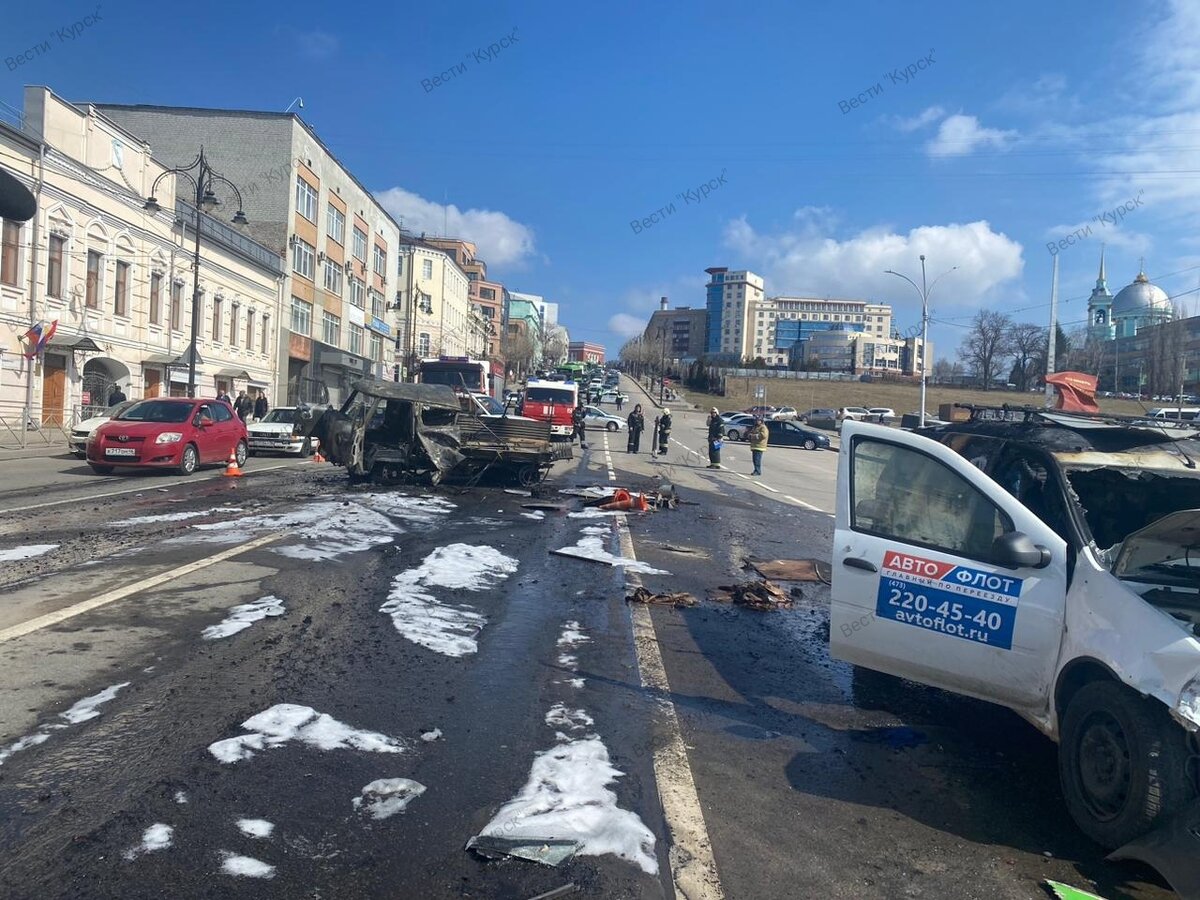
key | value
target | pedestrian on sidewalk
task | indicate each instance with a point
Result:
(636, 424)
(757, 436)
(116, 396)
(244, 405)
(664, 432)
(714, 439)
(260, 406)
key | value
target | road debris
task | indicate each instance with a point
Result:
(676, 599)
(547, 852)
(794, 569)
(571, 888)
(1171, 850)
(385, 797)
(1066, 892)
(760, 595)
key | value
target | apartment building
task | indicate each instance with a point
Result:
(679, 333)
(116, 280)
(481, 327)
(781, 323)
(730, 297)
(304, 204)
(848, 350)
(585, 352)
(436, 305)
(523, 334)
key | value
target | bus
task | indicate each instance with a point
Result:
(553, 402)
(463, 374)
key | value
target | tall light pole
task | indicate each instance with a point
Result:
(924, 292)
(203, 181)
(662, 367)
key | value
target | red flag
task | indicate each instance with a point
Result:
(1076, 391)
(38, 337)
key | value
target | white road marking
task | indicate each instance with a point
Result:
(143, 489)
(805, 505)
(693, 868)
(767, 487)
(608, 460)
(153, 581)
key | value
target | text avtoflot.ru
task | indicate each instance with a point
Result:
(695, 195)
(480, 57)
(1113, 216)
(64, 34)
(896, 76)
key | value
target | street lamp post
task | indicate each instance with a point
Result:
(662, 367)
(203, 181)
(924, 292)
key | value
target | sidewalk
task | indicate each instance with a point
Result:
(35, 448)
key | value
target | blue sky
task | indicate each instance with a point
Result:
(1032, 119)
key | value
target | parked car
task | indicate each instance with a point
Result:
(81, 431)
(178, 433)
(821, 414)
(784, 414)
(598, 418)
(280, 432)
(1042, 565)
(611, 397)
(737, 425)
(765, 411)
(853, 413)
(789, 434)
(881, 414)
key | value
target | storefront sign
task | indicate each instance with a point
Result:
(381, 326)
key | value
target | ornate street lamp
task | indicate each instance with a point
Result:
(203, 182)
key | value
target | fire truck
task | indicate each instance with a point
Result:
(553, 402)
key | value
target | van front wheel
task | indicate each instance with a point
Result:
(1122, 762)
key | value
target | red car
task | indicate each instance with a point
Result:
(170, 433)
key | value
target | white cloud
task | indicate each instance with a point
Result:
(960, 135)
(926, 117)
(820, 264)
(627, 326)
(501, 240)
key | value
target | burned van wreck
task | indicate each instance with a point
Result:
(390, 431)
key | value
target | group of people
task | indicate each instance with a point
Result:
(758, 435)
(635, 423)
(246, 407)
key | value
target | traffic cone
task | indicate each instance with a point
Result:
(231, 468)
(317, 457)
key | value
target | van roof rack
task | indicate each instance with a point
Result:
(1037, 415)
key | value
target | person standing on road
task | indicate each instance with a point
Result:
(243, 406)
(714, 439)
(117, 396)
(260, 406)
(579, 423)
(620, 402)
(636, 424)
(664, 432)
(757, 436)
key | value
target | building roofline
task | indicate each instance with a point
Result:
(260, 114)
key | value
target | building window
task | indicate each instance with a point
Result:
(266, 333)
(306, 199)
(250, 329)
(10, 244)
(92, 288)
(487, 294)
(360, 244)
(216, 319)
(54, 274)
(176, 305)
(423, 344)
(380, 261)
(356, 339)
(233, 324)
(121, 294)
(331, 328)
(358, 292)
(335, 224)
(377, 305)
(427, 268)
(155, 298)
(376, 347)
(301, 316)
(333, 277)
(304, 259)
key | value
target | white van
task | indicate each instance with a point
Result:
(1044, 566)
(1175, 413)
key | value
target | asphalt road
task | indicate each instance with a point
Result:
(771, 770)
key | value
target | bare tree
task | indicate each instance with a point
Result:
(520, 352)
(987, 346)
(1028, 349)
(1084, 355)
(1165, 357)
(941, 371)
(554, 346)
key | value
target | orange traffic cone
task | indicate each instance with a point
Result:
(317, 457)
(231, 468)
(642, 504)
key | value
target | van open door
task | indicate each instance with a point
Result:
(940, 575)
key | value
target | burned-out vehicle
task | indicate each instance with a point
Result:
(391, 431)
(1041, 561)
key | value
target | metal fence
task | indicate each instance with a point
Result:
(21, 427)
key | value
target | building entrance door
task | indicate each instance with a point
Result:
(54, 389)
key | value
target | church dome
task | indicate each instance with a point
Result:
(1140, 298)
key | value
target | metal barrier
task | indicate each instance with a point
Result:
(19, 429)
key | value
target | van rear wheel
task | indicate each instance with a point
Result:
(1123, 763)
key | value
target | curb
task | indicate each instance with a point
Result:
(35, 452)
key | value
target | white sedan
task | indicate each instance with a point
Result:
(277, 433)
(81, 431)
(598, 418)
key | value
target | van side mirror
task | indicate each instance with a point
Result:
(1016, 550)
